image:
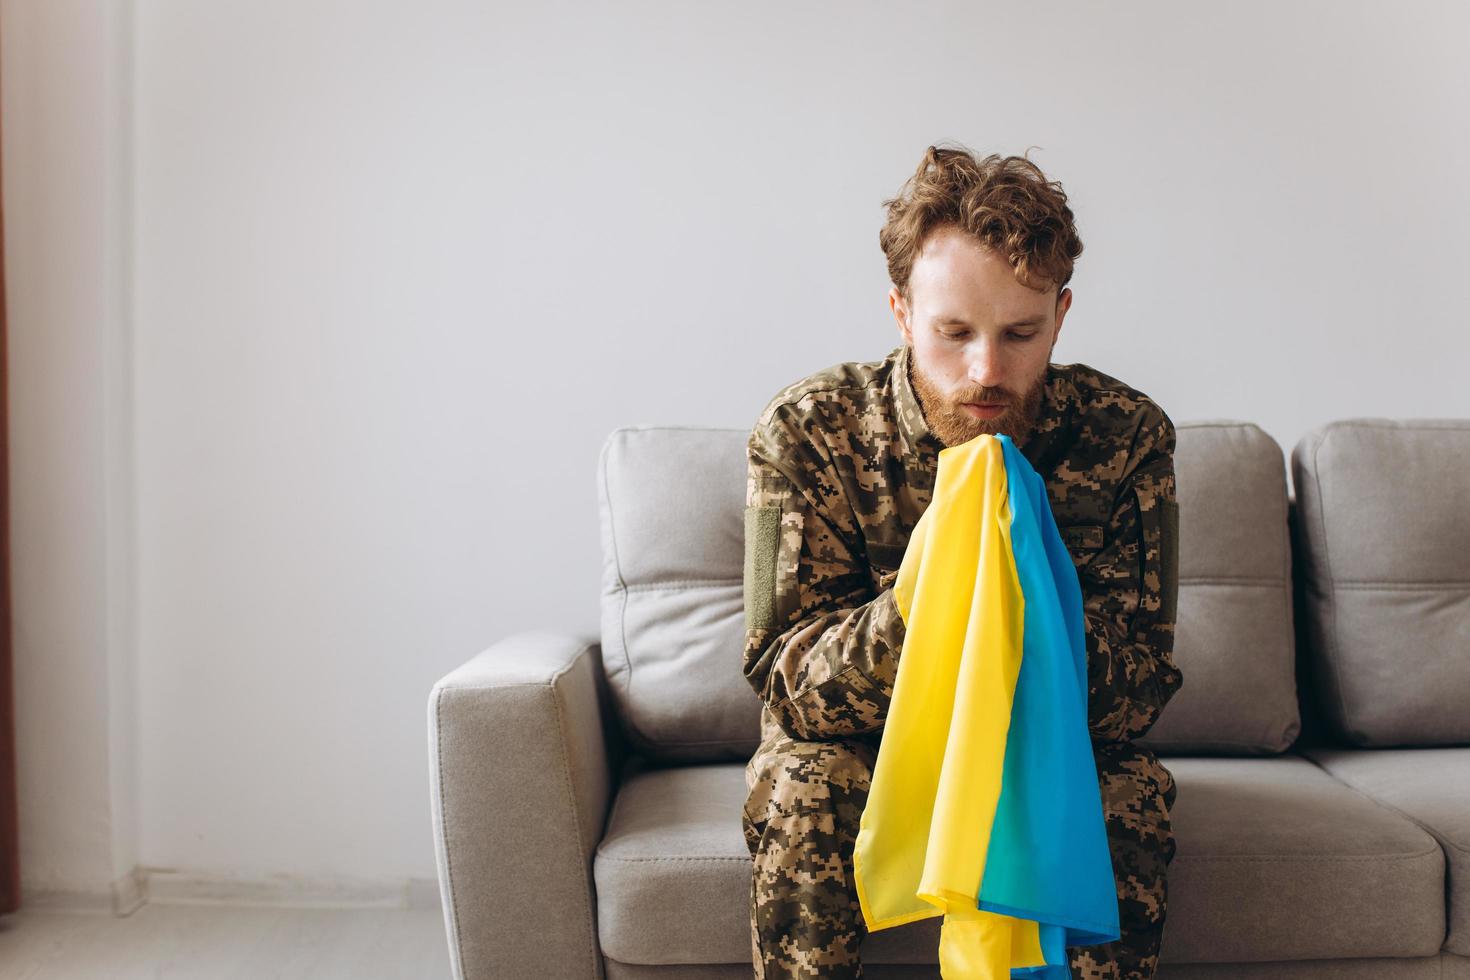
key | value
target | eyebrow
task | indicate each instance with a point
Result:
(1029, 321)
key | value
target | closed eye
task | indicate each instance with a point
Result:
(963, 334)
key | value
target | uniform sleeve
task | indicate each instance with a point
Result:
(821, 648)
(1130, 589)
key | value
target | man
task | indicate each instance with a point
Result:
(841, 466)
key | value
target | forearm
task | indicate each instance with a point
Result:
(1131, 591)
(1129, 681)
(830, 675)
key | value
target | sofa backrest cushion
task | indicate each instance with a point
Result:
(672, 511)
(1383, 535)
(1233, 640)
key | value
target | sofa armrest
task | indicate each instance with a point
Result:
(520, 780)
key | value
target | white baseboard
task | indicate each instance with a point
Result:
(170, 887)
(423, 893)
(166, 886)
(35, 899)
(129, 892)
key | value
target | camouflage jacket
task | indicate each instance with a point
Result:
(840, 466)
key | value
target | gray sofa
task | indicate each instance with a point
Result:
(587, 790)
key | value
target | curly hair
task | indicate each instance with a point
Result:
(1006, 203)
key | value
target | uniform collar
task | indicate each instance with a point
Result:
(916, 431)
(1054, 417)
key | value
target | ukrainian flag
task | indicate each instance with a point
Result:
(984, 804)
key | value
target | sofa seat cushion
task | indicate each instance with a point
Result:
(1430, 786)
(672, 870)
(1276, 860)
(673, 875)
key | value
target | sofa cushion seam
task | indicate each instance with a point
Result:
(1310, 858)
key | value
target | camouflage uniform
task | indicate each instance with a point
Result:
(841, 466)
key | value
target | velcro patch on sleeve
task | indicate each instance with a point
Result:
(762, 537)
(1169, 559)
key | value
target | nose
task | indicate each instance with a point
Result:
(985, 368)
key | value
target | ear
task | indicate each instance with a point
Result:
(901, 314)
(1064, 303)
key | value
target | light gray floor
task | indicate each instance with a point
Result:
(211, 941)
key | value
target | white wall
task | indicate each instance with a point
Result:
(397, 269)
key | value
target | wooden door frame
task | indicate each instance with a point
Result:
(9, 806)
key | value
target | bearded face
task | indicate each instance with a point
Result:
(979, 339)
(958, 416)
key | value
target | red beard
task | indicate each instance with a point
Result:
(952, 425)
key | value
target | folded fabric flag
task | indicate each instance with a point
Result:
(984, 804)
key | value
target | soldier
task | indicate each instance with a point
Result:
(842, 464)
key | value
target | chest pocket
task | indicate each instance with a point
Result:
(1082, 541)
(883, 562)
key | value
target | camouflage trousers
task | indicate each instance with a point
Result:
(801, 820)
